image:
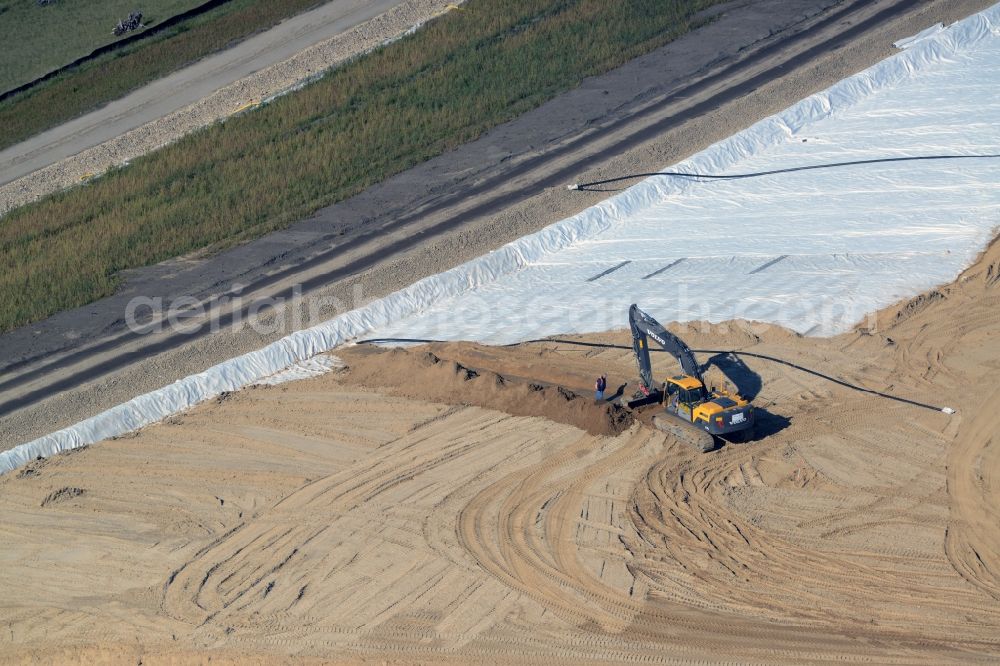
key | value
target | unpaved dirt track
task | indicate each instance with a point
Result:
(346, 518)
(186, 86)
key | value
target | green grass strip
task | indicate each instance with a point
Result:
(440, 87)
(37, 39)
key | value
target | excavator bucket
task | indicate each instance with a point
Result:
(654, 398)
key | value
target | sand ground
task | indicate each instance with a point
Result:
(456, 502)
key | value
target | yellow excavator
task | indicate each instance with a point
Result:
(693, 412)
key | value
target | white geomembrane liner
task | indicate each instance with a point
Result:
(919, 37)
(811, 250)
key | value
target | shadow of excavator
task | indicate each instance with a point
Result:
(748, 384)
(768, 423)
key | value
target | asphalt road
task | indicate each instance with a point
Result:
(752, 44)
(176, 91)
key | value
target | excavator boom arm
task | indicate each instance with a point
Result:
(644, 327)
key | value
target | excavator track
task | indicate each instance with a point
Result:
(685, 432)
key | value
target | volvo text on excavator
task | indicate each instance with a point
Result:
(694, 413)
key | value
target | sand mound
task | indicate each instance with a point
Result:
(423, 375)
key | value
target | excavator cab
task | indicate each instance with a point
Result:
(687, 389)
(681, 394)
